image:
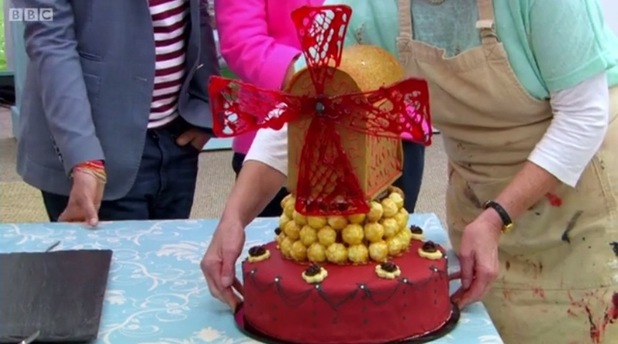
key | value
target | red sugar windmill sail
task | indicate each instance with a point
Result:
(325, 109)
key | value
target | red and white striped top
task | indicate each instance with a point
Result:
(169, 19)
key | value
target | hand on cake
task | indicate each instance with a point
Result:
(478, 259)
(218, 264)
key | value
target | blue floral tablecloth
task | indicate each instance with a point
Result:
(156, 292)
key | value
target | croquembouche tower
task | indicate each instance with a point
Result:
(344, 257)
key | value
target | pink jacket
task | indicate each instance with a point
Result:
(258, 41)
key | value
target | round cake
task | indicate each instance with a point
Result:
(367, 278)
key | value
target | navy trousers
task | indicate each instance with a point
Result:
(164, 186)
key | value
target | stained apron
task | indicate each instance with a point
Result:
(558, 279)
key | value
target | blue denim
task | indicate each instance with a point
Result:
(412, 175)
(164, 186)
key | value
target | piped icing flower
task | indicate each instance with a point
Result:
(314, 274)
(258, 254)
(430, 250)
(417, 233)
(387, 270)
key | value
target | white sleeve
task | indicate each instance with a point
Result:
(271, 148)
(581, 116)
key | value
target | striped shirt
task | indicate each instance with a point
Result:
(169, 19)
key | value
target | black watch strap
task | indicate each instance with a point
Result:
(507, 223)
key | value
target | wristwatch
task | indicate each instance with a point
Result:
(507, 223)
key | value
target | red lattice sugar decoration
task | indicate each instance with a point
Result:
(327, 183)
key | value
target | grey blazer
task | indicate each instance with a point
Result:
(89, 85)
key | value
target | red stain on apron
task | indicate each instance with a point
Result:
(554, 200)
(534, 269)
(612, 313)
(597, 329)
(506, 293)
(539, 292)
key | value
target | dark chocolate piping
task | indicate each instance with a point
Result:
(301, 297)
(286, 296)
(292, 300)
(334, 304)
(373, 296)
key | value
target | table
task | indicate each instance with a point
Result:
(156, 292)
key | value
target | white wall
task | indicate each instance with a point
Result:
(610, 10)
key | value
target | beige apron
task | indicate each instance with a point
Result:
(558, 268)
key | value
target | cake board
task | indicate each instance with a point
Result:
(251, 332)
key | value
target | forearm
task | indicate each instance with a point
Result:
(256, 186)
(574, 136)
(261, 177)
(528, 186)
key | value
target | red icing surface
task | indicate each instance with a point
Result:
(352, 305)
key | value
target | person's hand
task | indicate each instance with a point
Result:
(478, 258)
(84, 199)
(218, 264)
(195, 137)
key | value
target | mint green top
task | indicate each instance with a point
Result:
(552, 45)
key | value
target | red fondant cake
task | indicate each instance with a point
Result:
(351, 305)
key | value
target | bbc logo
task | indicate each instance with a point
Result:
(31, 14)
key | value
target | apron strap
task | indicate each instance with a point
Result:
(405, 20)
(406, 32)
(486, 23)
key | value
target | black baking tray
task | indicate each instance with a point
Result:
(57, 293)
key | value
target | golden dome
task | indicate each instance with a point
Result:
(371, 67)
(363, 68)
